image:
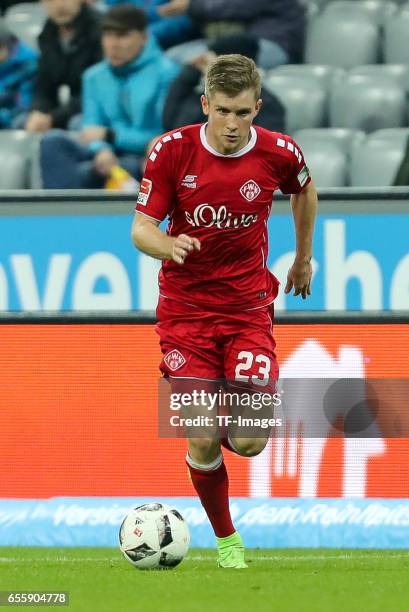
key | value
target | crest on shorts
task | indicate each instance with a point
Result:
(250, 190)
(174, 360)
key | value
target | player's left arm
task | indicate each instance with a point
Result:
(304, 207)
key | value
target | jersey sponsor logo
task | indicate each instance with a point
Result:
(303, 176)
(144, 192)
(190, 181)
(174, 360)
(206, 215)
(250, 190)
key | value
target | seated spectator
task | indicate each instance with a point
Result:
(182, 106)
(279, 25)
(169, 31)
(69, 43)
(18, 66)
(123, 100)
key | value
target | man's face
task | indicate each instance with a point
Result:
(120, 48)
(229, 119)
(62, 12)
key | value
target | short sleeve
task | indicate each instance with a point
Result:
(295, 175)
(157, 190)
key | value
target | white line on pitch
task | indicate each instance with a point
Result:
(312, 557)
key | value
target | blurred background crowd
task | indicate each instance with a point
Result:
(86, 87)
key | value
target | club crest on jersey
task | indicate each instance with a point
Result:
(144, 191)
(174, 360)
(250, 190)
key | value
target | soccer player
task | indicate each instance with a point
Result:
(215, 182)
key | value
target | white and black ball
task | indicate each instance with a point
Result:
(154, 536)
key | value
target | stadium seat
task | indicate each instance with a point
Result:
(327, 75)
(376, 10)
(318, 143)
(312, 9)
(328, 164)
(344, 41)
(399, 72)
(303, 97)
(376, 162)
(367, 103)
(344, 139)
(396, 47)
(17, 154)
(26, 21)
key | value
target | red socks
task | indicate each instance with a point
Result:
(212, 487)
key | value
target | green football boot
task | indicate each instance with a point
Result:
(231, 552)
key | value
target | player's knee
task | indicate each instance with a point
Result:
(204, 449)
(249, 447)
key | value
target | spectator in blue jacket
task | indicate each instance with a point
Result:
(169, 31)
(123, 98)
(278, 25)
(18, 65)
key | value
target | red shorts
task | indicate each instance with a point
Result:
(199, 344)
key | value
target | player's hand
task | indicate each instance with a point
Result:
(182, 246)
(299, 278)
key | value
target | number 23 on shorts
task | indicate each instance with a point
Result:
(253, 368)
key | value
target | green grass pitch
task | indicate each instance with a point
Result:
(290, 580)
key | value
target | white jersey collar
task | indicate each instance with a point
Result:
(249, 146)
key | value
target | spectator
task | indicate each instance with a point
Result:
(123, 100)
(278, 24)
(69, 43)
(182, 106)
(169, 31)
(18, 65)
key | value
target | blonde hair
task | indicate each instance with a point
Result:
(232, 74)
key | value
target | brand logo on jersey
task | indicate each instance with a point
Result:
(205, 215)
(174, 360)
(144, 192)
(190, 181)
(250, 190)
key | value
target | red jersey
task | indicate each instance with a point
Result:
(225, 202)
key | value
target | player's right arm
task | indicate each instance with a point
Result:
(148, 238)
(156, 200)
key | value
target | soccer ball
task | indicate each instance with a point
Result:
(154, 536)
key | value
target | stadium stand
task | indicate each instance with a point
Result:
(18, 158)
(344, 41)
(377, 11)
(303, 97)
(343, 138)
(328, 152)
(399, 72)
(26, 21)
(376, 161)
(367, 103)
(327, 75)
(328, 164)
(355, 80)
(396, 48)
